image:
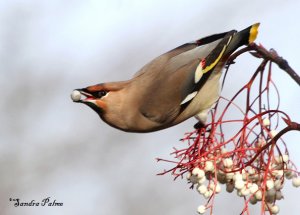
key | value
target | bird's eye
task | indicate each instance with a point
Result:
(102, 93)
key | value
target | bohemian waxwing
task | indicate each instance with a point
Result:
(173, 87)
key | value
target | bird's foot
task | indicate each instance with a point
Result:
(199, 125)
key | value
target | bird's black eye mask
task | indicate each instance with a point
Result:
(93, 95)
(100, 93)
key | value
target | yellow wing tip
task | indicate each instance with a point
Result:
(253, 32)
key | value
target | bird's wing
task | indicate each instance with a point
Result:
(176, 79)
(182, 55)
(158, 63)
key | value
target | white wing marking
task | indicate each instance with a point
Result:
(189, 97)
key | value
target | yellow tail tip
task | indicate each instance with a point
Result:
(253, 32)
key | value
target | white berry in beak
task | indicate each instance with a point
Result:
(76, 96)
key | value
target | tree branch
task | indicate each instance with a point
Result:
(261, 52)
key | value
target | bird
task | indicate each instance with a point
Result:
(175, 86)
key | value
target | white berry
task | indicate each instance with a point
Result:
(202, 189)
(201, 209)
(227, 162)
(224, 151)
(245, 191)
(208, 194)
(229, 175)
(239, 184)
(282, 159)
(273, 133)
(274, 209)
(269, 184)
(237, 177)
(209, 167)
(76, 95)
(278, 185)
(201, 180)
(251, 171)
(218, 188)
(266, 122)
(285, 158)
(258, 195)
(253, 188)
(296, 182)
(278, 173)
(198, 172)
(195, 171)
(212, 186)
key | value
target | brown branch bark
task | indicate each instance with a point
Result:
(261, 52)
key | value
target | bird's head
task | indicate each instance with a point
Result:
(102, 98)
(92, 96)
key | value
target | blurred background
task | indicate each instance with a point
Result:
(52, 147)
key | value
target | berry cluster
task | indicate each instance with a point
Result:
(249, 183)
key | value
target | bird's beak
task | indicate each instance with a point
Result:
(87, 98)
(82, 96)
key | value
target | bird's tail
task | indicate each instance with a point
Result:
(244, 37)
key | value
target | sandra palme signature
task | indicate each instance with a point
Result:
(34, 203)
